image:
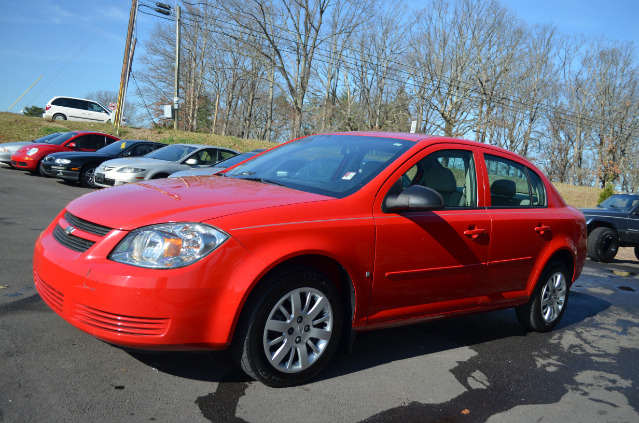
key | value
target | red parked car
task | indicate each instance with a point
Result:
(30, 156)
(323, 237)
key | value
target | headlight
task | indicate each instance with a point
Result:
(62, 161)
(32, 151)
(168, 245)
(4, 150)
(131, 170)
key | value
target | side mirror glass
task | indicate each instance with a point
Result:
(72, 145)
(191, 162)
(415, 197)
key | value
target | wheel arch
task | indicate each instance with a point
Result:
(565, 257)
(598, 223)
(327, 266)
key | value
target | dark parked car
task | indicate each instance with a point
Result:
(80, 166)
(613, 224)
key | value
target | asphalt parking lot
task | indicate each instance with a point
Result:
(469, 369)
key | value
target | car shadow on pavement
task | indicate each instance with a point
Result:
(379, 347)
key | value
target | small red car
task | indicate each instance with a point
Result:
(30, 156)
(308, 243)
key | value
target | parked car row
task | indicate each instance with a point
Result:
(95, 159)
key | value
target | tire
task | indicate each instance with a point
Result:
(38, 170)
(549, 300)
(290, 330)
(59, 116)
(87, 176)
(637, 252)
(159, 176)
(603, 244)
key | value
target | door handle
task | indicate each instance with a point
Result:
(474, 233)
(542, 229)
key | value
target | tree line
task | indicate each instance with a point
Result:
(278, 69)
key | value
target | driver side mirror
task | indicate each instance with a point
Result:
(72, 145)
(191, 162)
(413, 198)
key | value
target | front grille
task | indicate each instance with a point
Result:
(51, 296)
(129, 325)
(71, 241)
(86, 226)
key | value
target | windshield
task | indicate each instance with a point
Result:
(620, 202)
(116, 147)
(48, 137)
(60, 139)
(172, 153)
(333, 165)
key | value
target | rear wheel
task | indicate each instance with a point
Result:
(290, 330)
(87, 177)
(59, 116)
(603, 244)
(548, 302)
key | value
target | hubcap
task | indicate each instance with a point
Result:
(89, 177)
(298, 330)
(553, 297)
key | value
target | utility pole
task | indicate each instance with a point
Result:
(126, 66)
(176, 88)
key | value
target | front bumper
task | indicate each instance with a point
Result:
(189, 308)
(62, 172)
(114, 178)
(22, 161)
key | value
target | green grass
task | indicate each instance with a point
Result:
(15, 127)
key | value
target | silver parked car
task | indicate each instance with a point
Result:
(217, 167)
(159, 164)
(9, 148)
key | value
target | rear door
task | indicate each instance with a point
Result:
(522, 227)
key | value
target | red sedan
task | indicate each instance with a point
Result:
(316, 240)
(30, 156)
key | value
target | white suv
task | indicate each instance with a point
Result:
(69, 108)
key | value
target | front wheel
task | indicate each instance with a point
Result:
(87, 177)
(603, 244)
(291, 330)
(548, 302)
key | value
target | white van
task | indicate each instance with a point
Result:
(69, 108)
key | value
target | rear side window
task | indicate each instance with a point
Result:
(512, 184)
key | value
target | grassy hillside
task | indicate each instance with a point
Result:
(14, 127)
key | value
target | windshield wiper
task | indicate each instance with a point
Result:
(264, 181)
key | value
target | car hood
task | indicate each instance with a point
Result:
(138, 161)
(195, 199)
(82, 154)
(603, 212)
(39, 145)
(15, 145)
(200, 171)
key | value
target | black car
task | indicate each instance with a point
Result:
(613, 224)
(80, 166)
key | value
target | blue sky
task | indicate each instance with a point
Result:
(78, 44)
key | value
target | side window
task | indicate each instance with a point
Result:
(223, 155)
(141, 150)
(83, 141)
(205, 157)
(512, 184)
(449, 172)
(61, 101)
(93, 107)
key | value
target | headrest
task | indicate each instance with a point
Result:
(503, 187)
(440, 178)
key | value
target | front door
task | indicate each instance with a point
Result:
(429, 262)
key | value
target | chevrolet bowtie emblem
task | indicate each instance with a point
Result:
(69, 230)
